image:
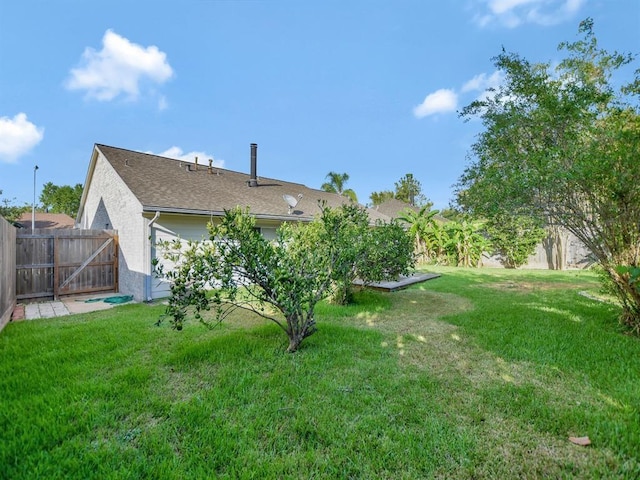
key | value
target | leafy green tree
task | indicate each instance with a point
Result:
(348, 226)
(562, 145)
(465, 243)
(452, 212)
(61, 199)
(388, 253)
(409, 190)
(280, 280)
(421, 226)
(632, 274)
(378, 198)
(383, 252)
(9, 210)
(438, 241)
(514, 237)
(336, 183)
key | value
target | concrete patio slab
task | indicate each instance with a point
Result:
(62, 307)
(45, 310)
(402, 282)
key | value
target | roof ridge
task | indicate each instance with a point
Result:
(137, 152)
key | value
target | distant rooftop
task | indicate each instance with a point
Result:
(46, 220)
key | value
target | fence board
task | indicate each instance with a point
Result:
(7, 268)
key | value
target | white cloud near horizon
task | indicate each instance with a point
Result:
(513, 13)
(481, 82)
(162, 103)
(178, 154)
(119, 68)
(441, 101)
(446, 100)
(18, 136)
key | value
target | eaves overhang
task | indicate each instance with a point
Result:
(150, 209)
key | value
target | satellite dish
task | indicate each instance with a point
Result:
(291, 201)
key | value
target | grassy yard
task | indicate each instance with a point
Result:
(477, 374)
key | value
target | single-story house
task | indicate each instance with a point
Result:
(148, 198)
(45, 220)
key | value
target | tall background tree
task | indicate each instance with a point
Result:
(336, 183)
(378, 198)
(408, 189)
(9, 210)
(61, 199)
(562, 145)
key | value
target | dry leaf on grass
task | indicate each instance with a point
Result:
(582, 441)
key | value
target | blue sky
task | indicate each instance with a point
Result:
(369, 88)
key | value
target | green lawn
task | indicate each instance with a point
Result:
(477, 374)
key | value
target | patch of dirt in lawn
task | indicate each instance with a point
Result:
(414, 309)
(427, 342)
(181, 387)
(531, 286)
(468, 374)
(517, 450)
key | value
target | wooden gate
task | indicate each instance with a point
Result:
(50, 263)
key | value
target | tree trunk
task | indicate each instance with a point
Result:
(554, 246)
(299, 328)
(294, 343)
(630, 296)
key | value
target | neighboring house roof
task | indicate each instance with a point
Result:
(174, 186)
(47, 220)
(393, 207)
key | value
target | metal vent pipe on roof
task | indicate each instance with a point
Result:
(253, 179)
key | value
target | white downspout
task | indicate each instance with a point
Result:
(148, 254)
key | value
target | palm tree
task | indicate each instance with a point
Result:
(421, 223)
(335, 184)
(466, 243)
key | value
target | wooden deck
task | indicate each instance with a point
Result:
(401, 283)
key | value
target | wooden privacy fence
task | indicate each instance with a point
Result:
(50, 263)
(7, 269)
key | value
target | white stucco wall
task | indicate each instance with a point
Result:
(576, 255)
(169, 227)
(110, 204)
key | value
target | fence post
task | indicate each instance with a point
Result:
(56, 267)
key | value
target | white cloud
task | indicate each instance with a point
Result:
(486, 85)
(17, 137)
(446, 100)
(179, 154)
(162, 103)
(119, 68)
(440, 101)
(481, 82)
(499, 7)
(512, 13)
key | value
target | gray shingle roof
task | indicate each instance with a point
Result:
(47, 220)
(393, 207)
(168, 185)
